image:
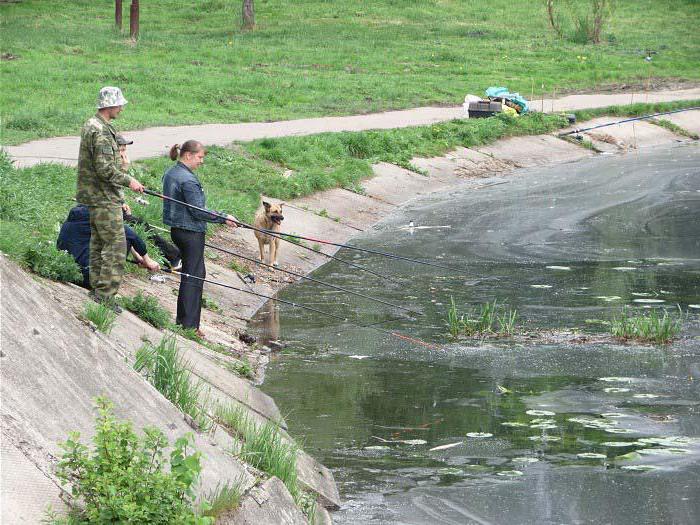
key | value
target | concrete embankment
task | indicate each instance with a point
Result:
(53, 364)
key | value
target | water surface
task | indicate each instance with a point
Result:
(616, 435)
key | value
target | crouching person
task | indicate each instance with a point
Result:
(74, 238)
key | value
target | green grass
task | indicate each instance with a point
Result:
(223, 499)
(239, 267)
(242, 367)
(210, 304)
(101, 316)
(147, 308)
(262, 446)
(167, 372)
(651, 327)
(313, 57)
(487, 319)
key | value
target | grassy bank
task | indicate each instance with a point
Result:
(34, 201)
(313, 57)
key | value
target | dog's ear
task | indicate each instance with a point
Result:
(267, 205)
(281, 204)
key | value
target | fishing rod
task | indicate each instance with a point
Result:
(306, 277)
(312, 239)
(643, 117)
(275, 234)
(398, 335)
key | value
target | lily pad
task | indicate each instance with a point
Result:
(540, 285)
(649, 301)
(559, 267)
(619, 444)
(515, 424)
(479, 434)
(624, 268)
(609, 298)
(619, 430)
(545, 438)
(591, 455)
(613, 414)
(694, 306)
(540, 413)
(616, 379)
(542, 420)
(615, 390)
(510, 473)
(663, 451)
(413, 441)
(646, 396)
(377, 447)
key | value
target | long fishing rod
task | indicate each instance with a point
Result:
(643, 117)
(274, 234)
(302, 237)
(305, 307)
(306, 277)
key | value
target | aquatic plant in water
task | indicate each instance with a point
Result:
(650, 327)
(488, 319)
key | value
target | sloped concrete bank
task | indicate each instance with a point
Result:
(53, 364)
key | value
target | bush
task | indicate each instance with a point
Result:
(148, 309)
(47, 261)
(124, 479)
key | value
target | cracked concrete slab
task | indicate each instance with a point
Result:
(689, 120)
(355, 210)
(638, 134)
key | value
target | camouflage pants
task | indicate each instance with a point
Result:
(107, 249)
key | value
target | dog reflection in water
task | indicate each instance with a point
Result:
(269, 217)
(268, 323)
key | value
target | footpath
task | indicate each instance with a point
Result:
(156, 141)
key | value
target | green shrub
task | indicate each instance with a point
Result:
(101, 316)
(166, 371)
(44, 259)
(147, 308)
(126, 478)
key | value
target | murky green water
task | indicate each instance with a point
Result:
(615, 436)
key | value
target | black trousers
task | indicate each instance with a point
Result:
(189, 298)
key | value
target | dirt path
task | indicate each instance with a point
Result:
(153, 142)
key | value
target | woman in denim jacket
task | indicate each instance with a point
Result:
(188, 227)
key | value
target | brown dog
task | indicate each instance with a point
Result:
(268, 217)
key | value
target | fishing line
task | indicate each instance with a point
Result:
(633, 119)
(275, 234)
(312, 279)
(287, 236)
(398, 335)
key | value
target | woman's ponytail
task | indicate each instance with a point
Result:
(174, 151)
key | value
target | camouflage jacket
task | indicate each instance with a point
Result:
(100, 174)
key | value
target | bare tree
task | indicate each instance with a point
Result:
(248, 14)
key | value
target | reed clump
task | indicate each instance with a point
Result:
(651, 327)
(489, 318)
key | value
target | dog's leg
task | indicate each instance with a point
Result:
(261, 245)
(274, 244)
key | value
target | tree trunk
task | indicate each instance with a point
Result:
(248, 14)
(118, 14)
(134, 20)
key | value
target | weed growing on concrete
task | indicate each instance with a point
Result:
(101, 316)
(210, 304)
(651, 327)
(147, 308)
(674, 128)
(239, 267)
(241, 367)
(262, 446)
(126, 478)
(165, 370)
(223, 499)
(44, 259)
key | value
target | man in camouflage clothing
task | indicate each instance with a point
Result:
(101, 176)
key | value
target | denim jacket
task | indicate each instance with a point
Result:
(180, 183)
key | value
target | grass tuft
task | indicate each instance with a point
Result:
(147, 308)
(487, 319)
(101, 316)
(223, 498)
(650, 327)
(167, 372)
